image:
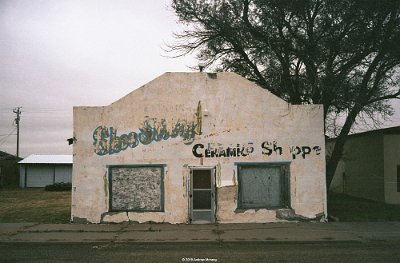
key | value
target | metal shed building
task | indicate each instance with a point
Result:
(199, 148)
(370, 166)
(42, 170)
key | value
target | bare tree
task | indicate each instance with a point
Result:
(344, 54)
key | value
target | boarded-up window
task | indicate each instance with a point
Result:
(137, 188)
(263, 186)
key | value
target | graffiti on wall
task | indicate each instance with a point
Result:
(106, 140)
(269, 148)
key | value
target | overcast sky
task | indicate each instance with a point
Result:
(56, 54)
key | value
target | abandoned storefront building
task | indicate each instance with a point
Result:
(198, 148)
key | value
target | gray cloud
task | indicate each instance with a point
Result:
(57, 54)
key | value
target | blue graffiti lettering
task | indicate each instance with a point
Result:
(107, 141)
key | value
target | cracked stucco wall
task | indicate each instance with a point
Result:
(158, 124)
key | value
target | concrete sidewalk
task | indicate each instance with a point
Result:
(271, 232)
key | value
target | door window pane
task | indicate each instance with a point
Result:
(201, 199)
(201, 179)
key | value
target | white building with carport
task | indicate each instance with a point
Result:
(41, 170)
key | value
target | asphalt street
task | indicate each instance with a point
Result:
(274, 242)
(373, 251)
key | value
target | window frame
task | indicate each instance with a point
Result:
(398, 178)
(285, 187)
(110, 194)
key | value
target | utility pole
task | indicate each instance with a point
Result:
(18, 112)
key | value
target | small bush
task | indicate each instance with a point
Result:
(58, 187)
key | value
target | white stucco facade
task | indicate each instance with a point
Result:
(186, 121)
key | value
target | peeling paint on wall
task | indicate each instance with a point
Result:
(185, 171)
(234, 178)
(105, 179)
(218, 175)
(122, 135)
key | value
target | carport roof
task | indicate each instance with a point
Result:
(47, 159)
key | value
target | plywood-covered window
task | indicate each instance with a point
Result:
(263, 186)
(136, 188)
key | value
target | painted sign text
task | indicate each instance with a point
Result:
(268, 148)
(106, 140)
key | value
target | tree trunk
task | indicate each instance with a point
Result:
(334, 159)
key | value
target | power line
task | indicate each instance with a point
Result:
(7, 134)
(45, 110)
(39, 110)
(5, 109)
(3, 140)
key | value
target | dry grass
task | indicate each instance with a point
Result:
(34, 205)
